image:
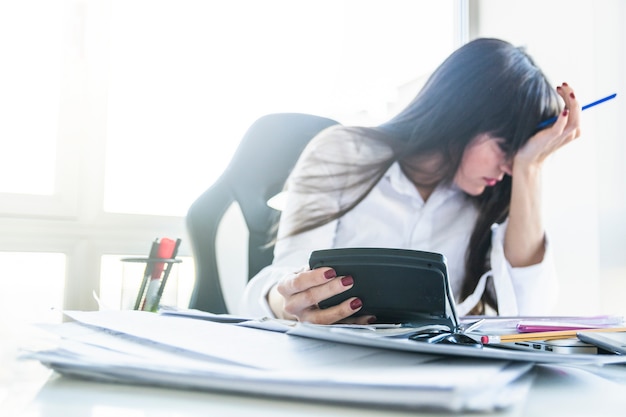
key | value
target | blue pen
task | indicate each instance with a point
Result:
(585, 107)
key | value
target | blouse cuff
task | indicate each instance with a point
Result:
(254, 303)
(530, 290)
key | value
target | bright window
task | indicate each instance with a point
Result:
(116, 115)
(187, 78)
(30, 78)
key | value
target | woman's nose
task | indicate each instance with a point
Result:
(507, 166)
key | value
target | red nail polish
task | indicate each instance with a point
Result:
(565, 112)
(371, 320)
(565, 84)
(559, 87)
(330, 273)
(347, 281)
(356, 304)
(572, 95)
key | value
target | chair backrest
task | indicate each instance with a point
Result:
(257, 171)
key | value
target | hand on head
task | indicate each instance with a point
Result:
(547, 141)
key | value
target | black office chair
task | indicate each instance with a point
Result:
(257, 171)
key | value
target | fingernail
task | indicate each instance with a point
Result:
(347, 281)
(565, 112)
(572, 95)
(356, 304)
(559, 87)
(330, 273)
(371, 320)
(565, 84)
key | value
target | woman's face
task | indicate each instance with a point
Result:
(484, 164)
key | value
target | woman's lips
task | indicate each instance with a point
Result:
(491, 181)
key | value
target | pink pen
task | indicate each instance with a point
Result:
(551, 326)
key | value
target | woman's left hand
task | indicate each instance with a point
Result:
(524, 242)
(547, 141)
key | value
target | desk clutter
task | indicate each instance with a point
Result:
(159, 263)
(357, 365)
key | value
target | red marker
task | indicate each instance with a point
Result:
(166, 250)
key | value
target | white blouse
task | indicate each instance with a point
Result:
(394, 215)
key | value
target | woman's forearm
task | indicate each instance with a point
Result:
(524, 241)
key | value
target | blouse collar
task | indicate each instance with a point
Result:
(404, 186)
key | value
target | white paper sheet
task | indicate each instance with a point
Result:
(139, 347)
(240, 345)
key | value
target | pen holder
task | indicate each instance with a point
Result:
(148, 291)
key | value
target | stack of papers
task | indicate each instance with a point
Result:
(136, 347)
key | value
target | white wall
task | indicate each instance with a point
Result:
(582, 42)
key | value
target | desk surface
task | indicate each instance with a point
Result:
(28, 389)
(564, 391)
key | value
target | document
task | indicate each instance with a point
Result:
(363, 338)
(146, 348)
(395, 337)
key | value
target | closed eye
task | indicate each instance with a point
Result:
(504, 146)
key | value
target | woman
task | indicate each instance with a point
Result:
(457, 172)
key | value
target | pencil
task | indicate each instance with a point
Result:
(560, 334)
(585, 107)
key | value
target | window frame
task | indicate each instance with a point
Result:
(72, 220)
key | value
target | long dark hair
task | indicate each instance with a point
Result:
(486, 86)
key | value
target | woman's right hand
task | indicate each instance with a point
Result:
(296, 297)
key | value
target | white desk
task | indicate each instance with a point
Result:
(27, 389)
(560, 391)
